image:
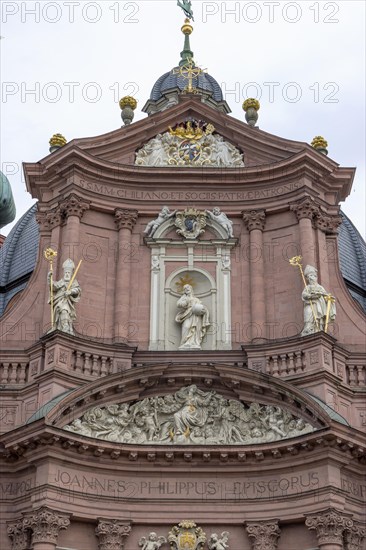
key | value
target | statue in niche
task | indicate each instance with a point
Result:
(319, 306)
(163, 216)
(64, 298)
(216, 543)
(152, 542)
(194, 318)
(222, 219)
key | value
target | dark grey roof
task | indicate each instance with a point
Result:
(45, 409)
(18, 256)
(171, 80)
(352, 259)
(331, 412)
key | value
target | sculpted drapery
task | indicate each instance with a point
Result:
(194, 318)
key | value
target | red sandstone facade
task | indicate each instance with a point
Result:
(69, 491)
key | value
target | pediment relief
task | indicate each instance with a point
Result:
(191, 143)
(190, 416)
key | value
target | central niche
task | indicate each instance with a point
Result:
(190, 248)
(196, 326)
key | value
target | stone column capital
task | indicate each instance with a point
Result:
(46, 524)
(112, 534)
(329, 525)
(254, 219)
(125, 218)
(73, 205)
(354, 536)
(50, 219)
(263, 535)
(305, 208)
(19, 534)
(326, 223)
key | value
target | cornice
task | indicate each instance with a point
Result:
(36, 441)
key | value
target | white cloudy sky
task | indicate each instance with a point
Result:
(110, 49)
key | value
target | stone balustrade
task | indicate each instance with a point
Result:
(14, 372)
(356, 374)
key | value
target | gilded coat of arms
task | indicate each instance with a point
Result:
(186, 536)
(191, 223)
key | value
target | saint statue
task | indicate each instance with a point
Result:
(152, 226)
(194, 318)
(186, 6)
(222, 219)
(64, 298)
(317, 303)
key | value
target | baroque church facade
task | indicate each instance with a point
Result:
(198, 380)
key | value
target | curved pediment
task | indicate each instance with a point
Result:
(189, 416)
(239, 406)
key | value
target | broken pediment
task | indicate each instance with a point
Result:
(190, 416)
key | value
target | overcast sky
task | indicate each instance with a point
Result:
(64, 66)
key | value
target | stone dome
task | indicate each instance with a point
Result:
(173, 79)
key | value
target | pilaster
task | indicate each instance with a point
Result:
(255, 221)
(263, 535)
(125, 220)
(46, 525)
(72, 208)
(329, 526)
(112, 534)
(305, 211)
(354, 537)
(19, 534)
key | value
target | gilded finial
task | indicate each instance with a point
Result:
(251, 107)
(128, 101)
(56, 142)
(187, 28)
(127, 104)
(320, 144)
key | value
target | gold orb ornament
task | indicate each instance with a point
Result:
(128, 101)
(187, 27)
(57, 140)
(319, 143)
(251, 102)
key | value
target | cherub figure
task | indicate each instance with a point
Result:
(222, 219)
(164, 215)
(152, 542)
(216, 543)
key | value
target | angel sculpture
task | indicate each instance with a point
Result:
(216, 543)
(186, 6)
(152, 542)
